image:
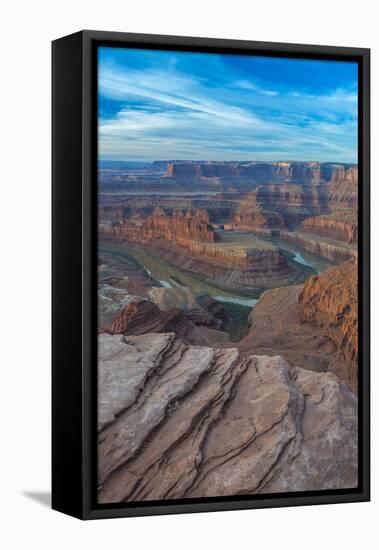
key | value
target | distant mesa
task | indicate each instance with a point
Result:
(222, 176)
(305, 173)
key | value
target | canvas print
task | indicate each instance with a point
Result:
(227, 275)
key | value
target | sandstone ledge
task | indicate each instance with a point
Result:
(187, 421)
(334, 251)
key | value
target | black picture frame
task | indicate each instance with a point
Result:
(74, 315)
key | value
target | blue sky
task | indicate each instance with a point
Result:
(156, 105)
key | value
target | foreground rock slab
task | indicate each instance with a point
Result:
(179, 421)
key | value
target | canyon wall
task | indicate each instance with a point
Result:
(330, 301)
(219, 208)
(279, 206)
(288, 205)
(181, 227)
(314, 325)
(142, 317)
(190, 230)
(343, 195)
(320, 218)
(332, 227)
(305, 173)
(333, 252)
(253, 259)
(200, 321)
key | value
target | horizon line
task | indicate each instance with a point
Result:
(151, 161)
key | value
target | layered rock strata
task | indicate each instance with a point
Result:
(343, 194)
(314, 325)
(188, 240)
(118, 282)
(277, 206)
(330, 301)
(201, 323)
(328, 211)
(337, 227)
(116, 207)
(181, 227)
(288, 206)
(305, 173)
(333, 251)
(142, 316)
(233, 269)
(179, 421)
(258, 260)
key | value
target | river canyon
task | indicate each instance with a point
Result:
(228, 328)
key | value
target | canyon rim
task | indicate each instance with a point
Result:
(227, 261)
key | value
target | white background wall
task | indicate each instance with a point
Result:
(26, 31)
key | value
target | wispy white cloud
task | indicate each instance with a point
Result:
(167, 114)
(248, 85)
(168, 88)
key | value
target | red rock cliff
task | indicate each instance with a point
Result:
(143, 317)
(190, 224)
(180, 227)
(330, 301)
(279, 206)
(305, 173)
(333, 227)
